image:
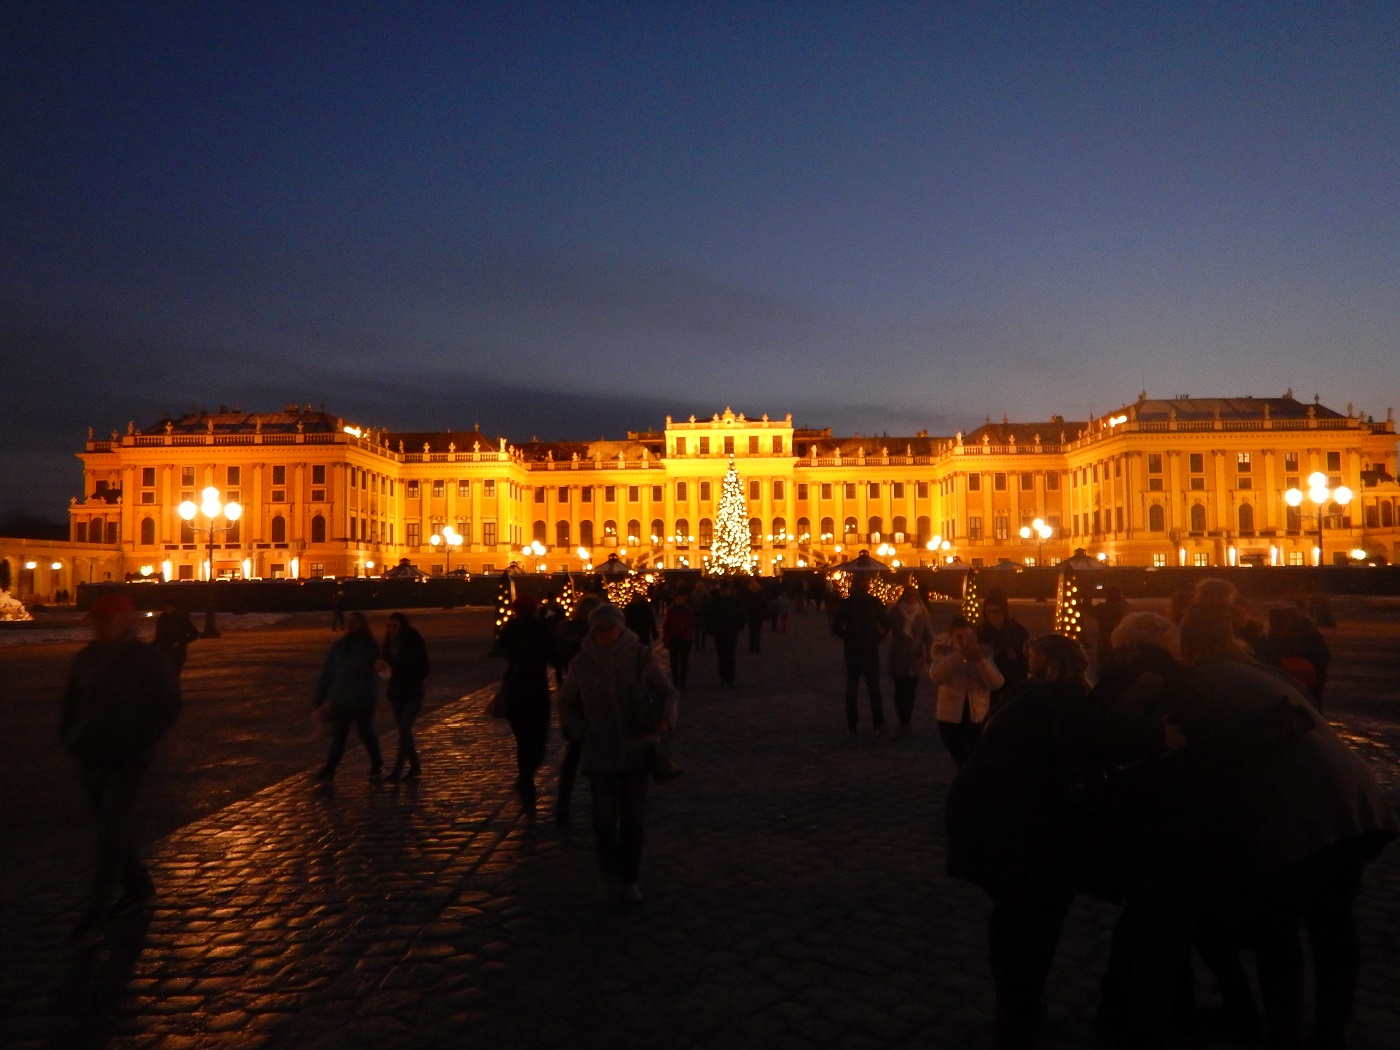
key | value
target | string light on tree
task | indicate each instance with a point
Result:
(505, 597)
(730, 553)
(1069, 607)
(972, 598)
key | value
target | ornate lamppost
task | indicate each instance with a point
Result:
(447, 538)
(1319, 494)
(211, 509)
(1043, 531)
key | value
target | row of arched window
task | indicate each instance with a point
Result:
(277, 531)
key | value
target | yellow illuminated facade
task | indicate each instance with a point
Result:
(1187, 481)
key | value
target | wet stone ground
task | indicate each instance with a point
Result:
(793, 878)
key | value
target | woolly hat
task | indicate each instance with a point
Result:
(606, 616)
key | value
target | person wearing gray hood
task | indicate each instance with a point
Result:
(619, 703)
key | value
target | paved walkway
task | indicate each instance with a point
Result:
(794, 898)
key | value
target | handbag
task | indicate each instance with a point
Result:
(664, 766)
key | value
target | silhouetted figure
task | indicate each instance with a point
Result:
(755, 612)
(861, 624)
(911, 650)
(1006, 639)
(338, 611)
(568, 640)
(527, 643)
(407, 656)
(641, 621)
(678, 633)
(346, 693)
(1011, 820)
(121, 698)
(725, 618)
(174, 632)
(1300, 650)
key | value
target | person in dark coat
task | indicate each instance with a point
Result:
(1155, 840)
(641, 621)
(1308, 814)
(527, 644)
(338, 611)
(174, 632)
(700, 601)
(755, 611)
(724, 619)
(911, 650)
(678, 633)
(1108, 614)
(346, 692)
(1007, 640)
(620, 704)
(407, 656)
(1300, 650)
(1012, 823)
(861, 624)
(121, 697)
(568, 640)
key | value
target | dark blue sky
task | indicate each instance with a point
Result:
(566, 220)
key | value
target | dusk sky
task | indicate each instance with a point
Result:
(566, 220)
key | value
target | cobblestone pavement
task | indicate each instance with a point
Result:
(794, 898)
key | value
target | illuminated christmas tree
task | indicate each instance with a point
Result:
(729, 552)
(972, 598)
(1069, 607)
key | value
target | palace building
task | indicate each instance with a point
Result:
(1182, 481)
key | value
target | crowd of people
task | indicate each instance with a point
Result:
(1191, 779)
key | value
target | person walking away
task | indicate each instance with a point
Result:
(407, 656)
(700, 601)
(1309, 816)
(782, 611)
(1007, 640)
(911, 651)
(346, 692)
(966, 677)
(1011, 820)
(620, 704)
(755, 612)
(338, 611)
(641, 621)
(568, 641)
(121, 697)
(526, 643)
(724, 619)
(678, 632)
(861, 624)
(174, 632)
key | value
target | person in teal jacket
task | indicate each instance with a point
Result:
(346, 691)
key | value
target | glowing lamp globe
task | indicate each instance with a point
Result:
(233, 511)
(187, 510)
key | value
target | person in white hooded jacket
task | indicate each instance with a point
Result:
(966, 678)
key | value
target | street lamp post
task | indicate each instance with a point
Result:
(446, 538)
(211, 508)
(1039, 529)
(1318, 494)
